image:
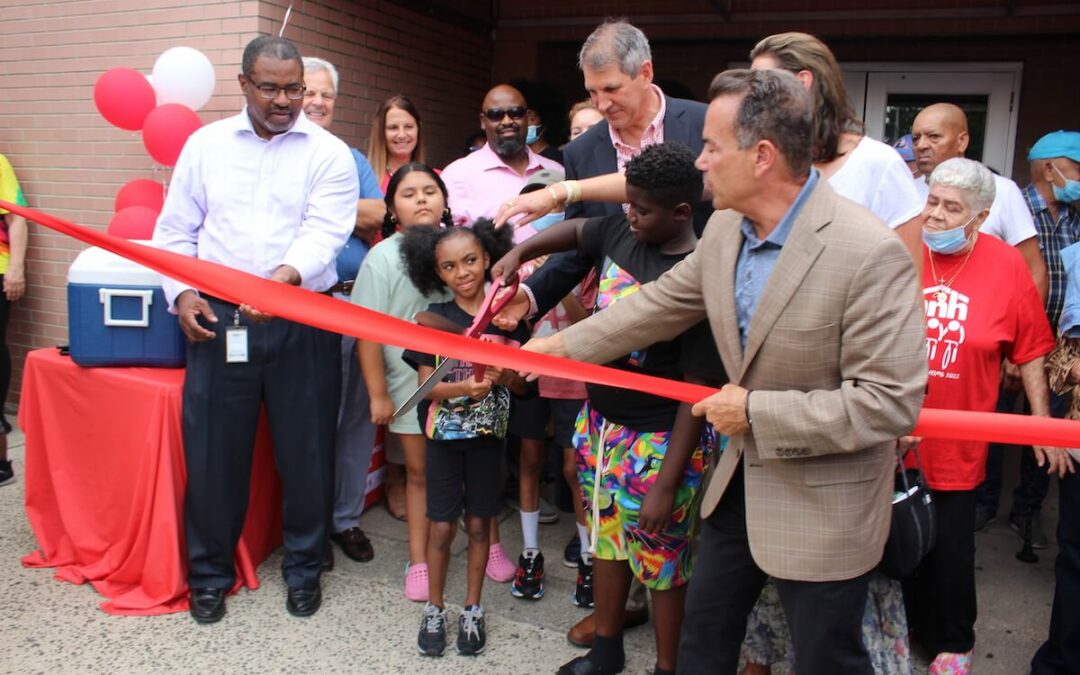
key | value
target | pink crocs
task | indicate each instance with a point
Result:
(950, 663)
(499, 567)
(416, 582)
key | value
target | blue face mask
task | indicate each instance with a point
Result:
(946, 242)
(544, 222)
(1068, 194)
(534, 134)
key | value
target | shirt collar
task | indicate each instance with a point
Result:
(656, 124)
(778, 237)
(302, 125)
(1035, 198)
(488, 160)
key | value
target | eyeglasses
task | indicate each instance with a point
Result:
(293, 92)
(496, 114)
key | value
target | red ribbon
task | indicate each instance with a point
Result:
(314, 309)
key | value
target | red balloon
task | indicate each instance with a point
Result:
(166, 129)
(141, 192)
(134, 222)
(124, 98)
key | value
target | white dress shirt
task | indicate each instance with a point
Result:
(253, 204)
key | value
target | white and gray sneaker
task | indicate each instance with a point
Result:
(471, 636)
(432, 638)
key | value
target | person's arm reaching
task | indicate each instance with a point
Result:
(607, 188)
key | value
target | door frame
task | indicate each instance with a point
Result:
(865, 94)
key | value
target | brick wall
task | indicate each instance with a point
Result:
(71, 162)
(382, 48)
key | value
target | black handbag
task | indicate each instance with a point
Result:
(914, 525)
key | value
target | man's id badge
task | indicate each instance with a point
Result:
(236, 342)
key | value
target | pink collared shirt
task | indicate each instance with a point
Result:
(479, 182)
(653, 134)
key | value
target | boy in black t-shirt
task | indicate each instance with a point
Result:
(641, 458)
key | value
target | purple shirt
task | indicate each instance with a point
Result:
(479, 182)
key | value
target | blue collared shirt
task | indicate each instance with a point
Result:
(758, 257)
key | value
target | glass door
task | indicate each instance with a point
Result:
(893, 99)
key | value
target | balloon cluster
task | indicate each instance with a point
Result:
(161, 105)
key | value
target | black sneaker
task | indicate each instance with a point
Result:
(529, 580)
(583, 592)
(432, 638)
(571, 555)
(471, 635)
(7, 473)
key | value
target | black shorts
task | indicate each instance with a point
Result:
(529, 418)
(463, 475)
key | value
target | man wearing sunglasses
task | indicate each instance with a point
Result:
(479, 182)
(271, 193)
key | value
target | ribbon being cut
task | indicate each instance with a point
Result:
(321, 311)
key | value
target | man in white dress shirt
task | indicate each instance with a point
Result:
(270, 193)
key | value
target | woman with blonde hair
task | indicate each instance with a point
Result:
(396, 137)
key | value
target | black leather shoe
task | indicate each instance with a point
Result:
(354, 544)
(583, 665)
(207, 604)
(303, 601)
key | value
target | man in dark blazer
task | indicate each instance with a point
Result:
(616, 62)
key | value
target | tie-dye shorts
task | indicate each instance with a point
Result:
(632, 461)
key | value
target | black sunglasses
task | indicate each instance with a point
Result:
(496, 114)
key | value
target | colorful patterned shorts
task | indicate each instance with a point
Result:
(632, 461)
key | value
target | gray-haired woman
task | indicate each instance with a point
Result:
(981, 307)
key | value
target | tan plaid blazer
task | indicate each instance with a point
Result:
(836, 360)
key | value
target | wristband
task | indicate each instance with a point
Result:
(554, 197)
(573, 191)
(747, 409)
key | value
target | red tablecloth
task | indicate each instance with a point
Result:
(105, 483)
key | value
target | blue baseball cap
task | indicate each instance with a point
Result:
(905, 147)
(1057, 144)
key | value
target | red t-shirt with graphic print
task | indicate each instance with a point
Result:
(990, 311)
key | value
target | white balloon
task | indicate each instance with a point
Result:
(184, 75)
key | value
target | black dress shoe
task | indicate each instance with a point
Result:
(303, 601)
(354, 544)
(207, 604)
(583, 665)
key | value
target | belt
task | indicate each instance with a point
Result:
(342, 287)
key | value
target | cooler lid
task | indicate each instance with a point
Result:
(97, 266)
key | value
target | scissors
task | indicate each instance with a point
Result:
(488, 310)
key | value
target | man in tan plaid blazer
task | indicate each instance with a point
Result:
(815, 309)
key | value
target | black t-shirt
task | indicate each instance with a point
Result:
(462, 417)
(624, 264)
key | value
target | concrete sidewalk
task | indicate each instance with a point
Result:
(367, 626)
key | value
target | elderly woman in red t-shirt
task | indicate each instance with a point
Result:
(981, 307)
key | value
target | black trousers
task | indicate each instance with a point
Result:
(1060, 654)
(940, 595)
(825, 617)
(295, 372)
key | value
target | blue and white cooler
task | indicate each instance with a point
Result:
(117, 314)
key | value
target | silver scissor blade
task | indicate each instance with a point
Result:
(421, 393)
